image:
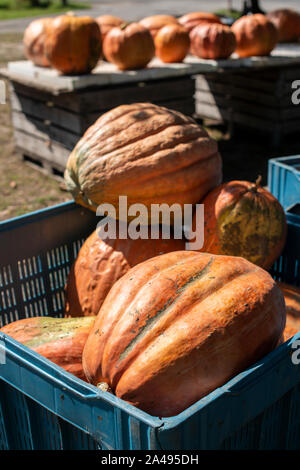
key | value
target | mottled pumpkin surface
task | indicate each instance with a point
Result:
(34, 41)
(61, 340)
(212, 41)
(177, 326)
(148, 153)
(100, 263)
(244, 219)
(287, 21)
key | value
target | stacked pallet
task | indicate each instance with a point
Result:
(258, 99)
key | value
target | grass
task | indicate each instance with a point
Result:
(235, 14)
(11, 9)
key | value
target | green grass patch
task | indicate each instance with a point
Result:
(235, 14)
(11, 9)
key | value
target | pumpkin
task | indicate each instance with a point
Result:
(292, 303)
(244, 219)
(287, 22)
(172, 43)
(100, 263)
(156, 22)
(108, 22)
(212, 41)
(190, 20)
(129, 46)
(179, 325)
(73, 44)
(61, 340)
(255, 35)
(34, 41)
(149, 153)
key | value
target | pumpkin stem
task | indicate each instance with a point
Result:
(257, 184)
(124, 25)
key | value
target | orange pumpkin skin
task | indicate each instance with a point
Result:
(129, 46)
(243, 219)
(172, 43)
(156, 22)
(73, 44)
(255, 35)
(177, 326)
(100, 263)
(34, 41)
(190, 20)
(212, 41)
(61, 340)
(108, 22)
(149, 153)
(292, 303)
(287, 22)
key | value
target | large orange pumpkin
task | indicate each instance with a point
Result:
(61, 340)
(172, 43)
(100, 263)
(156, 22)
(244, 219)
(212, 41)
(73, 44)
(129, 46)
(190, 20)
(34, 41)
(287, 22)
(177, 326)
(255, 35)
(150, 154)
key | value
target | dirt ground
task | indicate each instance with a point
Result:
(24, 189)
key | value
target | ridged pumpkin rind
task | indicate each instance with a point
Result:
(100, 263)
(150, 154)
(190, 20)
(155, 22)
(178, 326)
(73, 45)
(61, 340)
(255, 35)
(241, 219)
(212, 41)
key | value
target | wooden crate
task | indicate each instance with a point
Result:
(257, 99)
(47, 126)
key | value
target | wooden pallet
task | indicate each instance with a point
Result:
(257, 99)
(48, 126)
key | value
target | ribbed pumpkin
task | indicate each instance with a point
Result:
(34, 41)
(287, 22)
(148, 153)
(172, 43)
(108, 22)
(212, 41)
(73, 44)
(255, 35)
(177, 326)
(156, 22)
(190, 20)
(61, 340)
(129, 46)
(100, 263)
(243, 219)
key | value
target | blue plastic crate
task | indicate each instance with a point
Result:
(44, 407)
(284, 180)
